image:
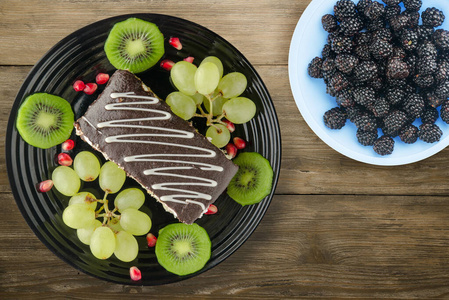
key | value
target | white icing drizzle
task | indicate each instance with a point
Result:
(180, 194)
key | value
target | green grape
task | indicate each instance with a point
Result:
(114, 224)
(216, 61)
(182, 105)
(102, 242)
(217, 104)
(78, 215)
(198, 98)
(207, 78)
(84, 197)
(86, 165)
(126, 247)
(232, 85)
(182, 75)
(135, 221)
(239, 110)
(111, 177)
(219, 139)
(131, 197)
(85, 233)
(66, 181)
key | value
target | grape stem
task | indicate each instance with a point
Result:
(209, 116)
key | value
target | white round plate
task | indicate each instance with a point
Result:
(310, 95)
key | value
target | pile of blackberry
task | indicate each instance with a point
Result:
(386, 71)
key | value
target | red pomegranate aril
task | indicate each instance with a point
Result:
(231, 149)
(68, 145)
(64, 159)
(151, 240)
(175, 42)
(167, 64)
(45, 186)
(239, 143)
(102, 78)
(79, 85)
(230, 126)
(189, 59)
(90, 88)
(135, 273)
(211, 210)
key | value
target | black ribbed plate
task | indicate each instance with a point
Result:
(81, 55)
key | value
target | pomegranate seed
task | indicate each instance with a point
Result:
(239, 143)
(230, 125)
(167, 64)
(64, 159)
(151, 240)
(68, 145)
(231, 149)
(79, 85)
(45, 186)
(189, 59)
(90, 88)
(175, 42)
(135, 273)
(102, 78)
(211, 210)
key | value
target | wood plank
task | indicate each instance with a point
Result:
(29, 28)
(309, 246)
(308, 165)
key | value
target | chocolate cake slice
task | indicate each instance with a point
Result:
(178, 166)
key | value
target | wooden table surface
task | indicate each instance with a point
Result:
(336, 228)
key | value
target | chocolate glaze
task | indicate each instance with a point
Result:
(86, 127)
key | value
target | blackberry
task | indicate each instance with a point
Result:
(376, 83)
(399, 22)
(433, 100)
(329, 23)
(424, 81)
(426, 65)
(344, 9)
(381, 49)
(365, 121)
(380, 108)
(411, 61)
(409, 134)
(350, 26)
(413, 5)
(339, 82)
(395, 95)
(335, 118)
(362, 4)
(328, 68)
(392, 2)
(444, 112)
(414, 105)
(363, 52)
(392, 11)
(442, 90)
(374, 11)
(364, 96)
(330, 90)
(384, 145)
(327, 52)
(314, 68)
(365, 70)
(441, 39)
(409, 40)
(427, 49)
(399, 53)
(366, 138)
(345, 98)
(362, 38)
(425, 32)
(383, 34)
(394, 121)
(373, 25)
(430, 115)
(442, 72)
(432, 17)
(354, 111)
(429, 133)
(341, 44)
(346, 63)
(397, 69)
(413, 18)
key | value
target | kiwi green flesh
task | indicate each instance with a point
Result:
(44, 120)
(183, 249)
(135, 45)
(253, 181)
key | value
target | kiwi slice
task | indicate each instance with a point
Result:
(183, 249)
(44, 120)
(135, 45)
(253, 180)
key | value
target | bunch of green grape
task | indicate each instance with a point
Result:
(114, 234)
(205, 86)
